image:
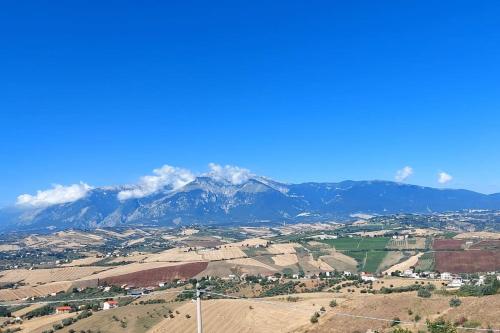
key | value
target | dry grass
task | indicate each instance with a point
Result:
(39, 324)
(340, 262)
(285, 259)
(412, 261)
(249, 262)
(175, 255)
(245, 316)
(9, 247)
(286, 248)
(43, 290)
(249, 242)
(223, 253)
(41, 276)
(478, 234)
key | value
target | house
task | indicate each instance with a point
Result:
(455, 283)
(408, 272)
(108, 305)
(367, 277)
(446, 276)
(63, 309)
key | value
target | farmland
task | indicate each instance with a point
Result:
(369, 252)
(358, 243)
(467, 261)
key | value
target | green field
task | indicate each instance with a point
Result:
(358, 243)
(368, 252)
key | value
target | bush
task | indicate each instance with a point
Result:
(401, 330)
(440, 326)
(57, 326)
(67, 321)
(455, 302)
(423, 292)
(396, 321)
(314, 319)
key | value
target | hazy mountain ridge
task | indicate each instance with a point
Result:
(207, 200)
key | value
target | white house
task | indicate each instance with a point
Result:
(108, 305)
(446, 276)
(455, 283)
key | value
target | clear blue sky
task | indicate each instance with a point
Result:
(297, 91)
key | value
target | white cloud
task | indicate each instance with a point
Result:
(444, 178)
(403, 174)
(233, 174)
(56, 195)
(165, 176)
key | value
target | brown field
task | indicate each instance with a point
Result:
(223, 253)
(9, 247)
(202, 242)
(39, 324)
(236, 266)
(478, 234)
(283, 248)
(392, 258)
(397, 305)
(25, 310)
(229, 316)
(42, 276)
(412, 261)
(83, 261)
(285, 259)
(250, 262)
(490, 244)
(467, 261)
(138, 319)
(448, 244)
(175, 255)
(340, 262)
(154, 276)
(43, 290)
(249, 243)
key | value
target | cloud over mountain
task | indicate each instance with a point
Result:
(58, 194)
(444, 178)
(403, 174)
(230, 173)
(167, 175)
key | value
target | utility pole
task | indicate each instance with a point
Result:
(199, 292)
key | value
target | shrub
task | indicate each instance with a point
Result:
(333, 303)
(454, 302)
(423, 292)
(440, 326)
(396, 321)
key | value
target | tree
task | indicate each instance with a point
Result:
(440, 326)
(333, 303)
(401, 330)
(423, 292)
(4, 312)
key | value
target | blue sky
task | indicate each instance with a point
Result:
(297, 91)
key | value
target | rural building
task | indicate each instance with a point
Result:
(446, 276)
(108, 305)
(63, 309)
(455, 283)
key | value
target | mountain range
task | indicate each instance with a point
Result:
(207, 200)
